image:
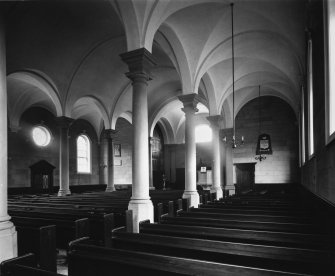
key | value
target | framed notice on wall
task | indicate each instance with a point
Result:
(117, 150)
(264, 144)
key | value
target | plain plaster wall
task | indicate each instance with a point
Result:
(318, 172)
(22, 151)
(279, 121)
(123, 164)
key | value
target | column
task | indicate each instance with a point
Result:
(140, 62)
(151, 176)
(217, 171)
(103, 163)
(8, 235)
(111, 137)
(64, 178)
(190, 102)
(229, 187)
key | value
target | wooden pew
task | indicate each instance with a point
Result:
(299, 240)
(84, 259)
(24, 266)
(66, 230)
(100, 223)
(287, 259)
(198, 212)
(249, 225)
(41, 241)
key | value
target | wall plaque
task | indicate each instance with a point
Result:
(264, 144)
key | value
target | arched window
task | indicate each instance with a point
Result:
(330, 68)
(310, 100)
(203, 133)
(83, 154)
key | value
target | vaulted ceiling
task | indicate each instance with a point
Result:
(64, 56)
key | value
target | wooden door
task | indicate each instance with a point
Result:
(245, 176)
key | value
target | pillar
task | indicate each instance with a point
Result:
(216, 148)
(110, 136)
(64, 176)
(103, 163)
(229, 187)
(140, 62)
(190, 102)
(8, 235)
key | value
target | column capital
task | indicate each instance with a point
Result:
(190, 102)
(64, 122)
(140, 63)
(215, 120)
(109, 134)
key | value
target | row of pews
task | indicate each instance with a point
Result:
(250, 235)
(246, 235)
(46, 223)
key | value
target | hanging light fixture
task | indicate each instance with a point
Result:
(260, 156)
(234, 141)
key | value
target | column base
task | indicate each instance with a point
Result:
(8, 241)
(230, 189)
(143, 209)
(63, 192)
(218, 191)
(110, 189)
(194, 198)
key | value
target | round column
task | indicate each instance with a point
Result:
(229, 187)
(8, 236)
(111, 135)
(216, 147)
(103, 159)
(64, 176)
(139, 62)
(190, 102)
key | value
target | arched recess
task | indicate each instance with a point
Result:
(93, 111)
(167, 131)
(31, 88)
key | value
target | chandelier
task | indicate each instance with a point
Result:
(234, 141)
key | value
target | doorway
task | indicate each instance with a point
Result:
(42, 176)
(245, 177)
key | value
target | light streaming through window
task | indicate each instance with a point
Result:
(83, 154)
(203, 133)
(331, 66)
(310, 100)
(41, 136)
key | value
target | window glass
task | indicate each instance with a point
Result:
(41, 136)
(83, 154)
(203, 133)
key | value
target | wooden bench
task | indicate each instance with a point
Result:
(250, 225)
(196, 212)
(24, 266)
(299, 240)
(66, 230)
(100, 223)
(85, 259)
(40, 240)
(287, 259)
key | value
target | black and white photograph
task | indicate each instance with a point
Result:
(167, 137)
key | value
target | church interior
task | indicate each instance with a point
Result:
(167, 137)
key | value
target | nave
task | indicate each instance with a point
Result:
(250, 234)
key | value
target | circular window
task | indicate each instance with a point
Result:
(41, 136)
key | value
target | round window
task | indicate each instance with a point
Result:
(41, 136)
